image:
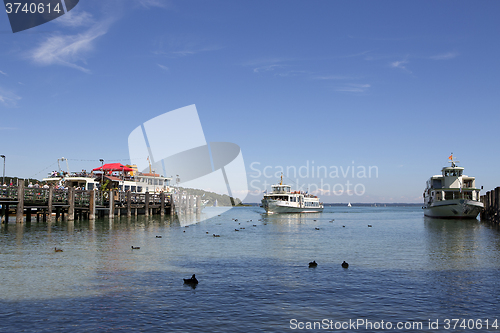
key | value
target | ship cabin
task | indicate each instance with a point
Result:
(452, 184)
(78, 180)
(280, 192)
(284, 193)
(140, 183)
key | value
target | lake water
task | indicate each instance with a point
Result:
(405, 270)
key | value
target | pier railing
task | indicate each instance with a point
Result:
(23, 200)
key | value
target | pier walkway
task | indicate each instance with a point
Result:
(71, 203)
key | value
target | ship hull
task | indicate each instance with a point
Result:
(454, 209)
(273, 207)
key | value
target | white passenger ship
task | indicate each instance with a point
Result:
(114, 175)
(452, 194)
(282, 200)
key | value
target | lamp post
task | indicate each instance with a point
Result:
(3, 179)
(102, 170)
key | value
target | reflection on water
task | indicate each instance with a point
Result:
(254, 277)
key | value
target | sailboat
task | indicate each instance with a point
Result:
(349, 205)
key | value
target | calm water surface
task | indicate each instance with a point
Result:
(405, 268)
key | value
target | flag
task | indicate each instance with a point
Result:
(451, 157)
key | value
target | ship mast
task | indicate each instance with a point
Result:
(452, 161)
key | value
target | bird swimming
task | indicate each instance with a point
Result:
(345, 265)
(313, 264)
(135, 247)
(57, 250)
(191, 281)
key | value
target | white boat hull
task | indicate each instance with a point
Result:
(273, 206)
(456, 209)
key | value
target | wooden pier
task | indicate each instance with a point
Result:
(491, 202)
(70, 204)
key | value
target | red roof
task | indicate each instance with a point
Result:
(151, 174)
(113, 167)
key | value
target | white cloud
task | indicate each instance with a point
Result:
(401, 64)
(186, 51)
(67, 50)
(332, 77)
(8, 98)
(3, 73)
(155, 3)
(445, 56)
(353, 88)
(293, 73)
(266, 68)
(76, 19)
(163, 67)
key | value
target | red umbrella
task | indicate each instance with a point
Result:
(113, 167)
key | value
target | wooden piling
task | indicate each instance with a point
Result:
(20, 201)
(129, 204)
(491, 202)
(146, 204)
(71, 203)
(6, 219)
(162, 204)
(172, 204)
(91, 205)
(49, 204)
(198, 204)
(111, 204)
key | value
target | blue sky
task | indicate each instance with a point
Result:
(396, 85)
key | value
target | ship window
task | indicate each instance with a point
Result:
(127, 187)
(139, 188)
(156, 181)
(438, 195)
(132, 188)
(90, 186)
(436, 183)
(120, 187)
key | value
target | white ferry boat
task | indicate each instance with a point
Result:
(80, 180)
(452, 194)
(128, 178)
(283, 200)
(114, 175)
